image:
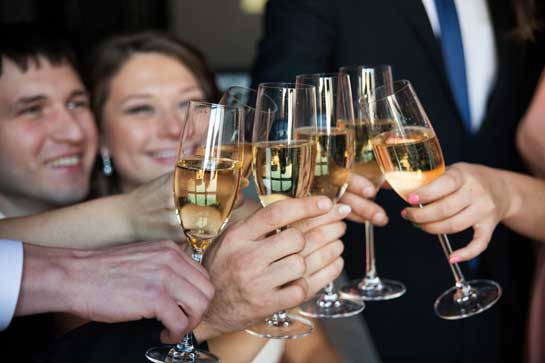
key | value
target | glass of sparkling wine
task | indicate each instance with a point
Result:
(409, 155)
(334, 156)
(283, 167)
(246, 98)
(364, 79)
(206, 184)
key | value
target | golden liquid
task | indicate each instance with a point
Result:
(334, 156)
(231, 151)
(410, 158)
(365, 163)
(205, 195)
(283, 170)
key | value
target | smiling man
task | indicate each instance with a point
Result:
(48, 139)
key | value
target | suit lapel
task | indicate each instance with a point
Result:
(414, 13)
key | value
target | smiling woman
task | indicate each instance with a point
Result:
(141, 85)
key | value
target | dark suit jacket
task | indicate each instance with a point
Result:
(306, 36)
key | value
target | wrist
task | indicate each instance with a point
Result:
(513, 198)
(44, 286)
(127, 215)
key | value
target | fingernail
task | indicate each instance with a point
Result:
(379, 218)
(454, 259)
(404, 214)
(368, 191)
(324, 204)
(414, 199)
(344, 209)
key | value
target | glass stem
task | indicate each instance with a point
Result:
(279, 319)
(329, 291)
(461, 283)
(370, 267)
(185, 351)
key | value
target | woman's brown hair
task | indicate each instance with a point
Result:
(528, 20)
(111, 55)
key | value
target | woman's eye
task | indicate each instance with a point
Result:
(183, 105)
(142, 109)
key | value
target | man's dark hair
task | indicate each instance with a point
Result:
(24, 44)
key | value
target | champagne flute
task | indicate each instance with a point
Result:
(283, 167)
(409, 155)
(334, 156)
(206, 184)
(364, 80)
(246, 98)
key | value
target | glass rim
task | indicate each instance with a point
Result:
(256, 93)
(344, 69)
(397, 87)
(288, 85)
(321, 75)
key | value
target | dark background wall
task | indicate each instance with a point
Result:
(223, 30)
(226, 31)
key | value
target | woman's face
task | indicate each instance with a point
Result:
(143, 114)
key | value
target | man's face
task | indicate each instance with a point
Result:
(48, 138)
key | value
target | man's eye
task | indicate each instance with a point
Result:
(74, 105)
(32, 110)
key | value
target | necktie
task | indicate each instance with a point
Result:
(453, 56)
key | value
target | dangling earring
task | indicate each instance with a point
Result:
(107, 168)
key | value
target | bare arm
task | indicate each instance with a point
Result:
(527, 213)
(531, 132)
(147, 213)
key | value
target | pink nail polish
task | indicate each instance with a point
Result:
(404, 214)
(455, 259)
(414, 199)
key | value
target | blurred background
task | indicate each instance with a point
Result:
(226, 31)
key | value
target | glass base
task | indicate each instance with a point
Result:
(376, 290)
(163, 354)
(292, 327)
(318, 307)
(454, 304)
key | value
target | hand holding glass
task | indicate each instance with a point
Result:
(206, 184)
(283, 164)
(334, 156)
(363, 81)
(410, 157)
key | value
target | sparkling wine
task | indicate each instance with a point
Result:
(334, 157)
(410, 158)
(365, 163)
(283, 169)
(205, 192)
(231, 151)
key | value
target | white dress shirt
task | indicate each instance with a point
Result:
(11, 272)
(479, 51)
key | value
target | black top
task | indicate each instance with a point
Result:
(307, 36)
